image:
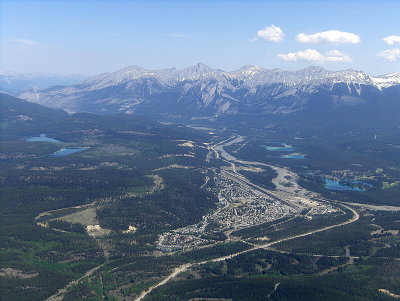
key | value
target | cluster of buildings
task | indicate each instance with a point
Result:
(240, 206)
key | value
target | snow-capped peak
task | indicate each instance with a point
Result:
(194, 72)
(220, 91)
(249, 70)
(166, 76)
(249, 75)
(387, 80)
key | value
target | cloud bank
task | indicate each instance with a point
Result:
(312, 55)
(330, 37)
(178, 35)
(391, 55)
(24, 42)
(271, 34)
(391, 40)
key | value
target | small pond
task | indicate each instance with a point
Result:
(336, 185)
(68, 151)
(282, 148)
(43, 138)
(294, 156)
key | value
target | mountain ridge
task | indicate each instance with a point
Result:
(200, 90)
(16, 82)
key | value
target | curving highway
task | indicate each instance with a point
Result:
(221, 153)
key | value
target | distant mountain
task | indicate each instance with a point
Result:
(201, 91)
(388, 80)
(20, 118)
(13, 83)
(13, 110)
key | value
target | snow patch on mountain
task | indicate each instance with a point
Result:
(387, 80)
(210, 91)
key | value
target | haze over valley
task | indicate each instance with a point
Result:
(279, 180)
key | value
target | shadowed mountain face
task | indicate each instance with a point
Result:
(200, 91)
(20, 118)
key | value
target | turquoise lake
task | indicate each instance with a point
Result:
(335, 185)
(68, 151)
(43, 138)
(283, 148)
(297, 157)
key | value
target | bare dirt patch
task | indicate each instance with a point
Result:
(97, 230)
(14, 273)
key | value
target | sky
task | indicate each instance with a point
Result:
(91, 37)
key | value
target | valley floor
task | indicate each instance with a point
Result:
(244, 205)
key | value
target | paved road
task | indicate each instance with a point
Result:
(184, 267)
(221, 153)
(60, 293)
(219, 150)
(377, 207)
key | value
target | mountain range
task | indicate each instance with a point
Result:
(13, 82)
(201, 91)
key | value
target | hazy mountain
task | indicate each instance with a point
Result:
(21, 118)
(13, 83)
(202, 91)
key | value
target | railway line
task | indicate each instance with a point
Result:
(244, 181)
(235, 176)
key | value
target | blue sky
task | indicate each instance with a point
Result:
(92, 37)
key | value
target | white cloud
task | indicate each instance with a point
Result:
(391, 55)
(391, 40)
(312, 55)
(335, 53)
(271, 34)
(330, 37)
(25, 42)
(178, 35)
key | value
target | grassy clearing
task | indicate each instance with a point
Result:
(85, 217)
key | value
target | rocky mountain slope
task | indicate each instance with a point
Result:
(201, 91)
